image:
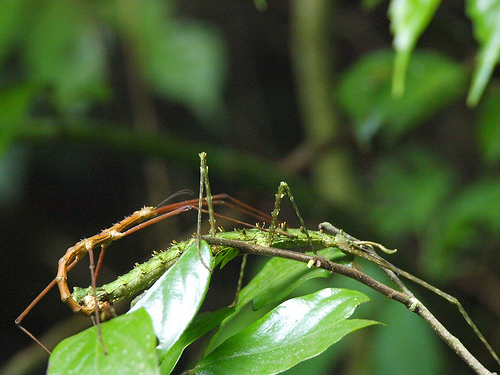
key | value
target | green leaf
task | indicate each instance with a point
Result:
(261, 5)
(201, 324)
(468, 224)
(409, 18)
(485, 16)
(434, 82)
(369, 5)
(12, 23)
(65, 51)
(488, 122)
(279, 277)
(405, 344)
(275, 281)
(175, 298)
(409, 189)
(15, 106)
(184, 61)
(296, 330)
(129, 339)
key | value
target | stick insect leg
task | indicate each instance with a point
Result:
(240, 280)
(96, 305)
(99, 261)
(282, 190)
(391, 273)
(20, 318)
(203, 185)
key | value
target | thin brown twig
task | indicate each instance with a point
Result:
(410, 302)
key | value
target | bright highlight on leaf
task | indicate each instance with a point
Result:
(175, 298)
(294, 331)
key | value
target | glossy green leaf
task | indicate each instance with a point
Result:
(409, 18)
(279, 277)
(485, 16)
(296, 330)
(275, 281)
(129, 339)
(434, 82)
(488, 125)
(201, 324)
(175, 298)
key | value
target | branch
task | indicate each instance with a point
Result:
(410, 302)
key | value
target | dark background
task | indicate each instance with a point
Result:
(86, 143)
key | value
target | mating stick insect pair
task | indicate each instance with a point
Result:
(94, 300)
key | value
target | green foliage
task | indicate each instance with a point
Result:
(409, 18)
(65, 51)
(488, 129)
(297, 329)
(411, 188)
(408, 163)
(391, 355)
(484, 15)
(130, 341)
(433, 83)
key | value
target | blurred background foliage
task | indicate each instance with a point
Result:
(105, 105)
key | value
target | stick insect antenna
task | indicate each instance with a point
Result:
(330, 229)
(175, 195)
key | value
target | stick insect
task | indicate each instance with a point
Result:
(266, 242)
(258, 241)
(139, 219)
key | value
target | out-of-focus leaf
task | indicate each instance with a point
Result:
(175, 298)
(488, 122)
(409, 18)
(200, 325)
(260, 4)
(405, 344)
(294, 331)
(485, 16)
(11, 23)
(410, 186)
(370, 4)
(188, 65)
(65, 52)
(183, 60)
(129, 339)
(15, 105)
(277, 279)
(469, 223)
(434, 81)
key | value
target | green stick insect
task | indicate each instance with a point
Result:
(275, 241)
